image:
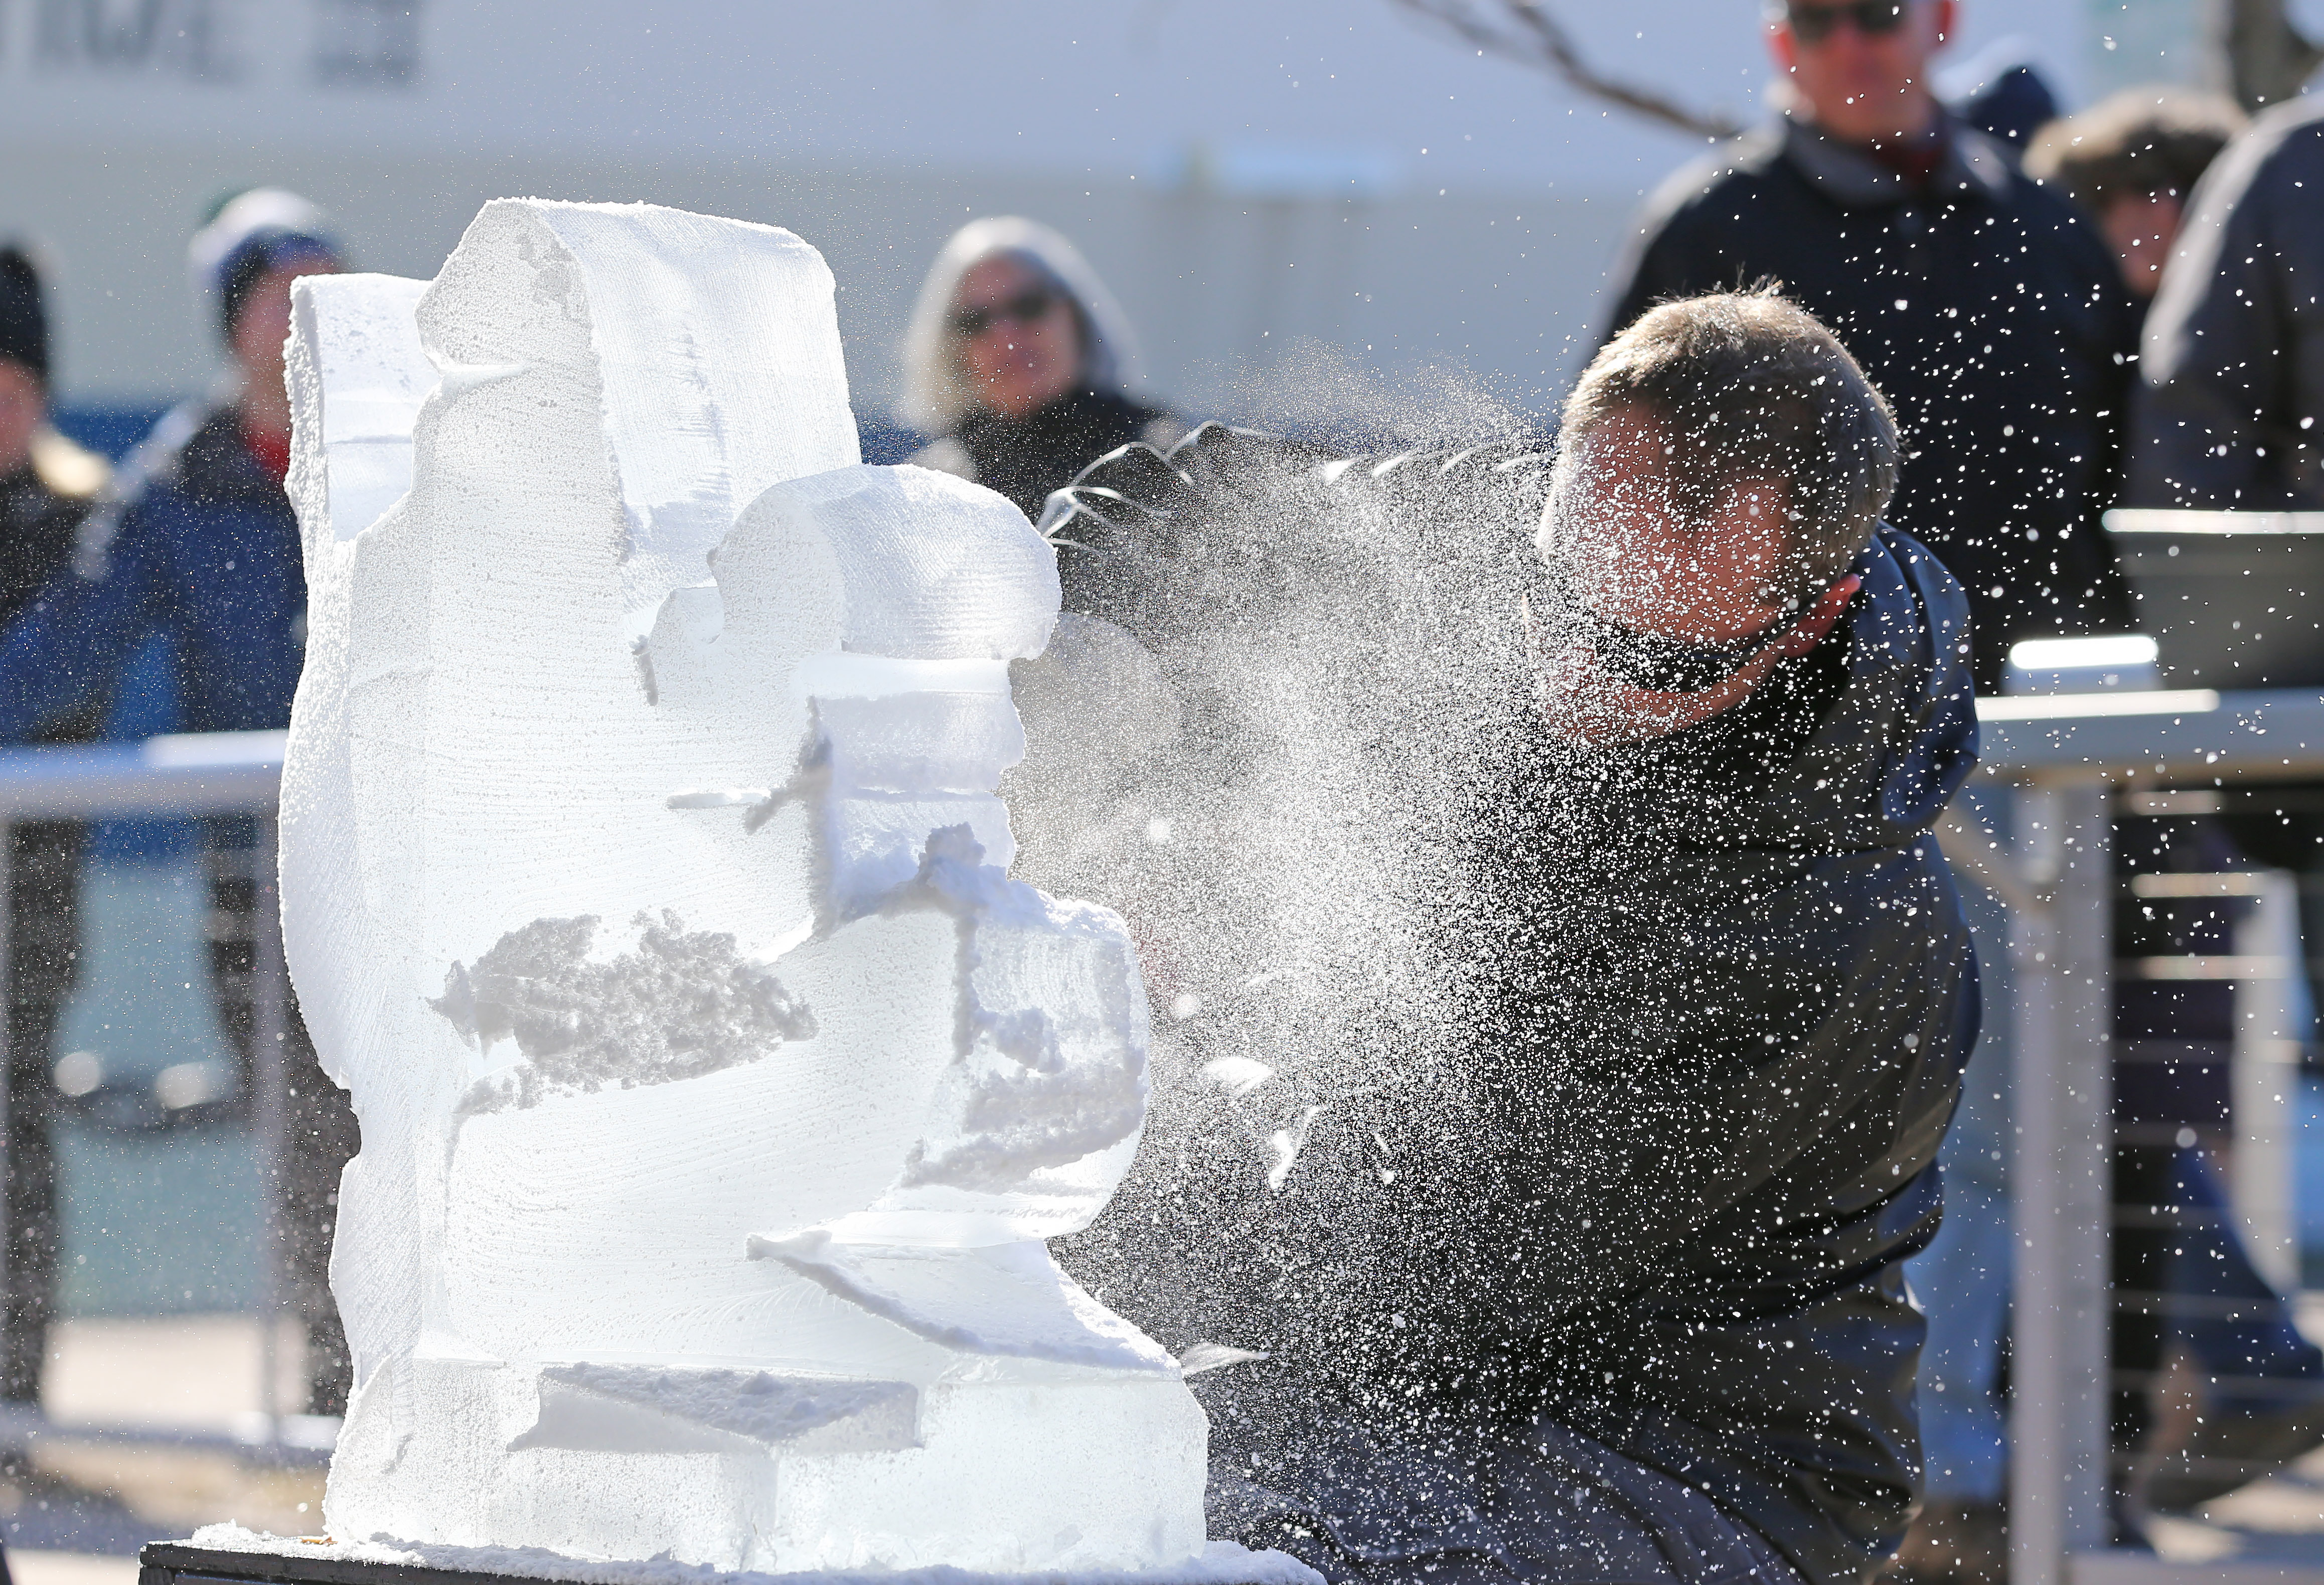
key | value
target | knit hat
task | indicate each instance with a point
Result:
(24, 320)
(250, 234)
(2140, 141)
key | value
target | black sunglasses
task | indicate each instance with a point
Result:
(1024, 309)
(1812, 25)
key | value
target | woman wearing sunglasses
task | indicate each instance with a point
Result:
(1019, 361)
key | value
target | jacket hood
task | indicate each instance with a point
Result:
(1902, 737)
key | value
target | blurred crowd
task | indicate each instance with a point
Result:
(2116, 307)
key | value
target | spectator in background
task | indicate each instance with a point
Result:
(199, 542)
(2232, 370)
(2196, 1318)
(1992, 315)
(47, 487)
(1019, 361)
(1987, 308)
(2224, 418)
(2131, 161)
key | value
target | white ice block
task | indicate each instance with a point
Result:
(644, 880)
(938, 568)
(876, 844)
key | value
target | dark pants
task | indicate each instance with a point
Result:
(1546, 1508)
(43, 954)
(320, 1134)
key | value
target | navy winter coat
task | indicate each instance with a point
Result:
(200, 542)
(2234, 365)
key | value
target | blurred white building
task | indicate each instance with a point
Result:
(1255, 178)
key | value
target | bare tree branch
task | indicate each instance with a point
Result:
(2267, 59)
(1524, 30)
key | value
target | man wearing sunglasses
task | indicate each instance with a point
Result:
(1986, 307)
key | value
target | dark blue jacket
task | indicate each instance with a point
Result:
(1734, 1023)
(199, 543)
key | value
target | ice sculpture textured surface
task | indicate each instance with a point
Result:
(644, 880)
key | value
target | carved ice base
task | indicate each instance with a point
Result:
(747, 1470)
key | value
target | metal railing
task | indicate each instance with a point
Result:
(214, 773)
(2071, 757)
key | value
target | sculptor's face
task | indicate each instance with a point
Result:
(1629, 559)
(1633, 561)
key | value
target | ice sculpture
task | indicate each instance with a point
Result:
(644, 880)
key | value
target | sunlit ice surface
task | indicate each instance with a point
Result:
(645, 882)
